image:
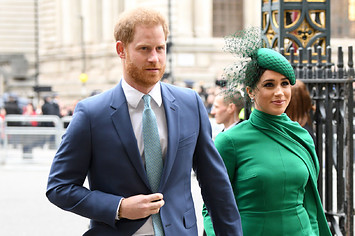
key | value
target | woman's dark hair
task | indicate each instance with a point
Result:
(253, 73)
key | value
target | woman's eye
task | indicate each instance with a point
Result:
(268, 85)
(285, 83)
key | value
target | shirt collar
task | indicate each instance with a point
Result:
(134, 96)
(232, 125)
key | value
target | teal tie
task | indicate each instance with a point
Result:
(153, 156)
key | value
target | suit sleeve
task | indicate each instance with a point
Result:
(207, 223)
(226, 149)
(69, 170)
(213, 179)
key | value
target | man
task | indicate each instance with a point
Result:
(226, 109)
(105, 142)
(12, 108)
(50, 106)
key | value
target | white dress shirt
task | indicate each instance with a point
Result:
(232, 125)
(135, 109)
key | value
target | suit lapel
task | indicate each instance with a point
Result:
(172, 120)
(122, 123)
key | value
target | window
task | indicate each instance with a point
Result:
(227, 17)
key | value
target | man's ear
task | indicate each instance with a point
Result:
(231, 107)
(120, 50)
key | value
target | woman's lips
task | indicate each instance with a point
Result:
(279, 102)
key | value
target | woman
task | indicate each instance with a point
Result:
(300, 107)
(29, 110)
(28, 142)
(271, 160)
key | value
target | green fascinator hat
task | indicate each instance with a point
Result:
(252, 60)
(271, 60)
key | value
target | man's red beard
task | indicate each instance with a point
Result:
(141, 76)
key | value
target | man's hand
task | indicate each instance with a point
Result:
(141, 206)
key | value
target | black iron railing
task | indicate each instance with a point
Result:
(331, 89)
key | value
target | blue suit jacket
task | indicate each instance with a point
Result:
(100, 144)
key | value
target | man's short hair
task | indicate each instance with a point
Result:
(127, 22)
(236, 98)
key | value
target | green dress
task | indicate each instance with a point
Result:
(273, 168)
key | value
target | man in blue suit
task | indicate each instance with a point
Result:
(104, 143)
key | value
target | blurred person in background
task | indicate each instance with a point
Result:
(209, 102)
(50, 107)
(2, 113)
(12, 108)
(226, 109)
(300, 107)
(29, 110)
(2, 125)
(29, 141)
(202, 92)
(211, 94)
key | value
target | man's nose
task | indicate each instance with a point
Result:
(153, 57)
(213, 110)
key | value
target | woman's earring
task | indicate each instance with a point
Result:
(252, 99)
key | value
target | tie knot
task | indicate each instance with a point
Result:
(146, 99)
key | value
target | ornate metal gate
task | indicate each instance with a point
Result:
(290, 26)
(331, 89)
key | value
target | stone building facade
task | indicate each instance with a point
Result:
(61, 39)
(76, 36)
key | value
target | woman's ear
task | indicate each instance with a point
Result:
(250, 92)
(120, 50)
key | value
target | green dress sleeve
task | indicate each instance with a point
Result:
(207, 223)
(311, 207)
(226, 149)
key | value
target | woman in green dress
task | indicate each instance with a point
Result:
(271, 160)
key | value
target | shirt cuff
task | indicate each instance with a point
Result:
(118, 210)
